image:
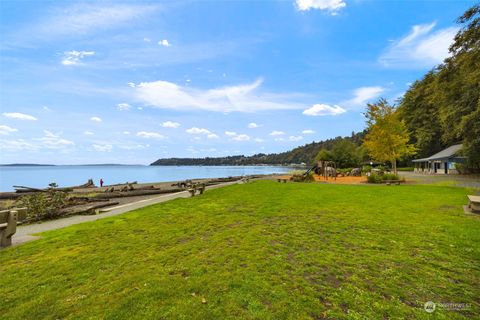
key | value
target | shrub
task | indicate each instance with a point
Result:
(366, 169)
(460, 167)
(374, 178)
(44, 205)
(390, 176)
(382, 168)
(303, 177)
(309, 177)
(344, 171)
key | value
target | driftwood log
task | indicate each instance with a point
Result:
(121, 184)
(86, 208)
(14, 195)
(24, 189)
(134, 193)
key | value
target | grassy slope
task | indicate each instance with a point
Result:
(263, 250)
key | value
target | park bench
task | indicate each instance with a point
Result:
(196, 187)
(474, 203)
(8, 224)
(245, 180)
(397, 182)
(284, 180)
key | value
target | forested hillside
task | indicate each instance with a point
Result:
(443, 108)
(298, 155)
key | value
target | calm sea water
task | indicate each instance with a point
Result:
(64, 176)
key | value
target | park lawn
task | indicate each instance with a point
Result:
(262, 250)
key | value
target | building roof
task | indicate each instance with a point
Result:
(450, 152)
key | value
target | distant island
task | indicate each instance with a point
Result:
(26, 165)
(303, 154)
(57, 165)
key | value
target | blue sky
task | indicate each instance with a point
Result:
(130, 82)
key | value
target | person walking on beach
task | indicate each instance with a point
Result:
(101, 182)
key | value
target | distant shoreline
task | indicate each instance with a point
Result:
(148, 165)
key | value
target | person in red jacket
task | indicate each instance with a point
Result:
(101, 182)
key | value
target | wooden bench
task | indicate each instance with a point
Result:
(196, 187)
(282, 180)
(245, 180)
(474, 203)
(397, 182)
(8, 224)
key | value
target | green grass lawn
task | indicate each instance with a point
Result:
(259, 251)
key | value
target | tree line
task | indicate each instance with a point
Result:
(303, 154)
(443, 108)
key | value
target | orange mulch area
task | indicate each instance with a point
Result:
(342, 180)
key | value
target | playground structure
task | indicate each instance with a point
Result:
(325, 169)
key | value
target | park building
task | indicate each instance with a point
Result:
(442, 162)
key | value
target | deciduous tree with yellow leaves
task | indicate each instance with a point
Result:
(387, 138)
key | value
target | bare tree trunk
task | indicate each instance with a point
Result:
(394, 166)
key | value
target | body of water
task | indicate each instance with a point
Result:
(64, 176)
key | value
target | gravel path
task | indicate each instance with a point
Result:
(28, 232)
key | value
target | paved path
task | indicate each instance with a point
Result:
(469, 181)
(26, 233)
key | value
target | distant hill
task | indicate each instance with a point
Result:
(305, 153)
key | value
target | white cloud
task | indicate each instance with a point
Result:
(279, 139)
(422, 47)
(146, 39)
(258, 140)
(84, 18)
(123, 106)
(19, 116)
(295, 138)
(241, 137)
(253, 125)
(150, 135)
(126, 132)
(240, 98)
(196, 130)
(74, 57)
(17, 145)
(164, 43)
(212, 136)
(323, 110)
(102, 147)
(192, 150)
(51, 140)
(277, 133)
(230, 133)
(6, 130)
(170, 124)
(96, 119)
(88, 133)
(308, 131)
(131, 84)
(133, 146)
(48, 141)
(332, 6)
(364, 95)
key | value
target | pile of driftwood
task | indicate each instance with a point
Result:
(21, 191)
(86, 198)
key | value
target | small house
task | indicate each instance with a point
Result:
(442, 162)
